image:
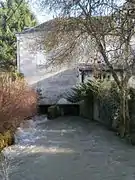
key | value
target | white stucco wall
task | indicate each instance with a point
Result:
(53, 81)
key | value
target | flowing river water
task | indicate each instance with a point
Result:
(68, 148)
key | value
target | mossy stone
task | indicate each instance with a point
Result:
(6, 139)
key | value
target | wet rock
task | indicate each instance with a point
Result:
(53, 112)
(67, 108)
(115, 124)
(132, 139)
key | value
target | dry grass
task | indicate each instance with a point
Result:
(17, 102)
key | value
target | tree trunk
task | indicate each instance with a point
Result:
(124, 128)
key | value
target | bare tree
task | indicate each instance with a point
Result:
(101, 25)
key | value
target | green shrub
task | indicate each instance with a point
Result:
(83, 91)
(105, 92)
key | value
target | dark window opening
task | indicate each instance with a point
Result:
(108, 77)
(82, 77)
(99, 76)
(104, 76)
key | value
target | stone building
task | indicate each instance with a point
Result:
(55, 80)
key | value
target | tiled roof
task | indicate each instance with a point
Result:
(46, 26)
(65, 22)
(103, 67)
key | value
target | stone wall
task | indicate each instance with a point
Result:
(87, 109)
(97, 111)
(104, 113)
(53, 81)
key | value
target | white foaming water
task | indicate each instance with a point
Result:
(35, 140)
(26, 135)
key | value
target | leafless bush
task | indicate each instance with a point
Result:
(17, 102)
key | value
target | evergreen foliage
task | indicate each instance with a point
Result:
(15, 15)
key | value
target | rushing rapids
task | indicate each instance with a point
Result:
(66, 149)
